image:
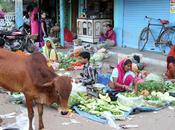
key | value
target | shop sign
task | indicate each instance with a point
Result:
(172, 6)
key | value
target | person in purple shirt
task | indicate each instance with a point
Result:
(109, 37)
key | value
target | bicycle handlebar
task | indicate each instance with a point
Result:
(151, 18)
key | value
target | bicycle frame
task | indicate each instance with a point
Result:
(159, 40)
(156, 40)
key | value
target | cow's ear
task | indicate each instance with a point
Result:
(48, 84)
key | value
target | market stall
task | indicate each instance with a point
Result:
(93, 20)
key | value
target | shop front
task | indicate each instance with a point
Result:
(129, 19)
(94, 15)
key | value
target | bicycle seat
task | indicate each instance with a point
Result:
(164, 21)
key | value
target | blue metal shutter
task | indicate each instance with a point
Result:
(134, 19)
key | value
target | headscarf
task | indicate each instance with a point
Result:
(121, 71)
(50, 53)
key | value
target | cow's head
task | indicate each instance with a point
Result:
(62, 86)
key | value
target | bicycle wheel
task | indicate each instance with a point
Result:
(167, 38)
(143, 38)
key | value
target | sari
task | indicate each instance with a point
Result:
(49, 53)
(125, 78)
(171, 63)
(34, 22)
(111, 35)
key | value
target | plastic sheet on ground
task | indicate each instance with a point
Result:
(90, 116)
(72, 121)
(78, 87)
(17, 98)
(8, 116)
(103, 120)
(22, 122)
(103, 78)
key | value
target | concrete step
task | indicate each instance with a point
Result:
(147, 56)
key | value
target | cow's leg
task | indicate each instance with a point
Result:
(29, 102)
(40, 113)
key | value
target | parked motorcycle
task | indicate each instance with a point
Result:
(29, 46)
(17, 40)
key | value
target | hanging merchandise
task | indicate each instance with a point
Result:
(7, 14)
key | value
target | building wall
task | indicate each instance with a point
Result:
(118, 20)
(19, 13)
(121, 22)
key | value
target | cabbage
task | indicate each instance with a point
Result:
(163, 96)
(154, 77)
(98, 57)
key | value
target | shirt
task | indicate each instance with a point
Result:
(89, 75)
(114, 74)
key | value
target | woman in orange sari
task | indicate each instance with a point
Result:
(171, 63)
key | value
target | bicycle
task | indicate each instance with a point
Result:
(164, 39)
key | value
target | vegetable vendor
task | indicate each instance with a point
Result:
(122, 78)
(109, 38)
(49, 51)
(88, 77)
(171, 63)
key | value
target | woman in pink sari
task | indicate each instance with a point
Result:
(34, 21)
(122, 77)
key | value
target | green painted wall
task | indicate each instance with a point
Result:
(80, 7)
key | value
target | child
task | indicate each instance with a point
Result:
(89, 73)
(43, 30)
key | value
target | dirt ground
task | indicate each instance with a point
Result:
(159, 120)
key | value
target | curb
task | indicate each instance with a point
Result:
(148, 60)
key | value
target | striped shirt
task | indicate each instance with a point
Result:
(89, 75)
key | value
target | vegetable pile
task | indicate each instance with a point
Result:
(94, 105)
(127, 94)
(151, 94)
(69, 63)
(155, 86)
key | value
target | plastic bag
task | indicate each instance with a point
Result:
(111, 120)
(78, 87)
(22, 122)
(130, 101)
